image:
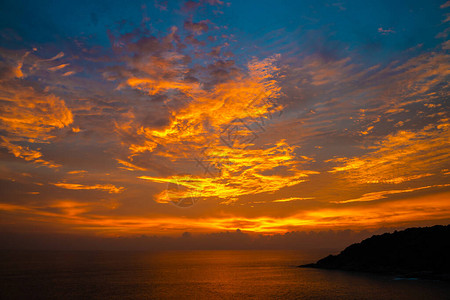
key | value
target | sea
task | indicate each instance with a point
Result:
(230, 274)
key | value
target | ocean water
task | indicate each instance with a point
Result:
(195, 275)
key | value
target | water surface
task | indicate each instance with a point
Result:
(195, 274)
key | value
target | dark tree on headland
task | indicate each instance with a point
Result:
(414, 252)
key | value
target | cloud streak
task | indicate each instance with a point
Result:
(102, 187)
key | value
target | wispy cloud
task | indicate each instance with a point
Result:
(290, 199)
(28, 114)
(399, 157)
(112, 189)
(385, 31)
(383, 194)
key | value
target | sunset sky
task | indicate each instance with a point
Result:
(130, 118)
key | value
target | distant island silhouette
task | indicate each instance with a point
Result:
(412, 253)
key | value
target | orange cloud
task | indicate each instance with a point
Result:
(59, 67)
(31, 116)
(290, 199)
(26, 153)
(76, 216)
(103, 187)
(28, 115)
(402, 156)
(214, 129)
(245, 172)
(129, 166)
(374, 196)
(77, 172)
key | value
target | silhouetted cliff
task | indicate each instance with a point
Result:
(414, 252)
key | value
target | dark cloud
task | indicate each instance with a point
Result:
(196, 27)
(234, 240)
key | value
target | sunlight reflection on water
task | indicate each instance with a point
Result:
(195, 274)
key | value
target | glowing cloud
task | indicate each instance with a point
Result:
(401, 156)
(382, 194)
(213, 128)
(28, 115)
(103, 187)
